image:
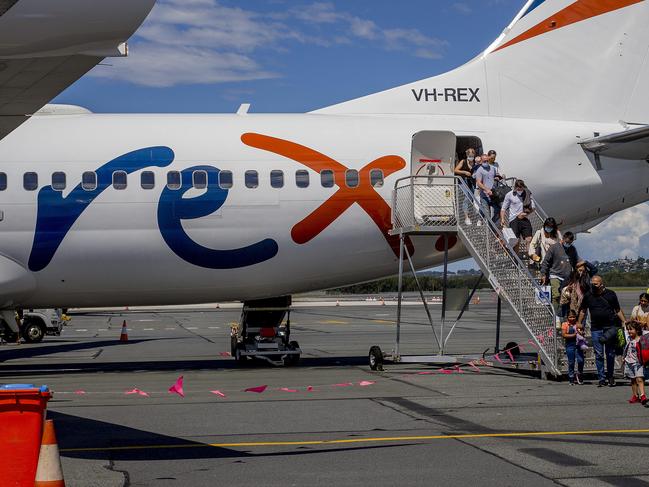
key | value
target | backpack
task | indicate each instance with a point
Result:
(643, 349)
(499, 191)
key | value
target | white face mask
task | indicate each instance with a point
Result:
(519, 193)
(471, 158)
(485, 164)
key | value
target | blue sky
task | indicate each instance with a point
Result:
(296, 56)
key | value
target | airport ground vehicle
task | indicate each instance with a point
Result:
(35, 324)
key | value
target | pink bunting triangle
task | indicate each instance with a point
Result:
(520, 348)
(531, 342)
(497, 357)
(458, 369)
(136, 391)
(225, 354)
(365, 383)
(286, 389)
(177, 388)
(258, 389)
(446, 371)
(511, 356)
(218, 393)
(343, 384)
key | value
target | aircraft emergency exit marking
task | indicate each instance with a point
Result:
(462, 95)
(364, 194)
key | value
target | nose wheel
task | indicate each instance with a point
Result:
(376, 358)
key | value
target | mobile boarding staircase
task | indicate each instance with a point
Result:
(445, 207)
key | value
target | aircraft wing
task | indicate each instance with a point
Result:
(45, 46)
(631, 144)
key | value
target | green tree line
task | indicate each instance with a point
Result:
(434, 283)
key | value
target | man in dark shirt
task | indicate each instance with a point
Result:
(605, 314)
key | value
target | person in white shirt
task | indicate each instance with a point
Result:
(517, 205)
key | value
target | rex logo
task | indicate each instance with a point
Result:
(364, 194)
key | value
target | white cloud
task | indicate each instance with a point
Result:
(625, 234)
(462, 8)
(204, 42)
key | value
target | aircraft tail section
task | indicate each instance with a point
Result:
(584, 60)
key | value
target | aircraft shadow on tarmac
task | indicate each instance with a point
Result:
(62, 346)
(158, 365)
(84, 438)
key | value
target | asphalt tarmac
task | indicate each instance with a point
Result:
(310, 426)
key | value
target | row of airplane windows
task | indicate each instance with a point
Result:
(199, 179)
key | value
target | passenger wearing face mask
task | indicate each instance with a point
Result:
(465, 169)
(517, 205)
(544, 239)
(569, 246)
(556, 269)
(606, 317)
(485, 177)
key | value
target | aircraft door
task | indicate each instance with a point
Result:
(433, 154)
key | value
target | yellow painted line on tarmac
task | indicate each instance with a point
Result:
(334, 322)
(528, 434)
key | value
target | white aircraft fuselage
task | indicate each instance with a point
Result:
(136, 246)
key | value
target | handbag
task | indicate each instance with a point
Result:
(499, 191)
(510, 236)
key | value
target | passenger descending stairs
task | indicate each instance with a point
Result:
(508, 275)
(441, 205)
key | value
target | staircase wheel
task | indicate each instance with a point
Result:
(376, 358)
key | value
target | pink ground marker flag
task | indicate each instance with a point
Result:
(177, 388)
(286, 389)
(446, 371)
(458, 369)
(365, 383)
(136, 391)
(258, 389)
(309, 388)
(511, 356)
(474, 367)
(79, 392)
(218, 393)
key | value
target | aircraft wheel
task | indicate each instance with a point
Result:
(376, 358)
(33, 332)
(237, 354)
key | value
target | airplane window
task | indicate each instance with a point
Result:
(199, 179)
(30, 181)
(3, 181)
(173, 180)
(225, 179)
(277, 179)
(147, 180)
(376, 178)
(351, 178)
(119, 180)
(89, 181)
(58, 181)
(302, 178)
(327, 178)
(252, 179)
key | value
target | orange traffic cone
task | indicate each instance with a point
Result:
(49, 472)
(123, 337)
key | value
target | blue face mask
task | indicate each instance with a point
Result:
(485, 165)
(567, 245)
(548, 229)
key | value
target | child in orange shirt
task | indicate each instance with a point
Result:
(574, 352)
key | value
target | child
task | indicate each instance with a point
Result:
(569, 332)
(632, 365)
